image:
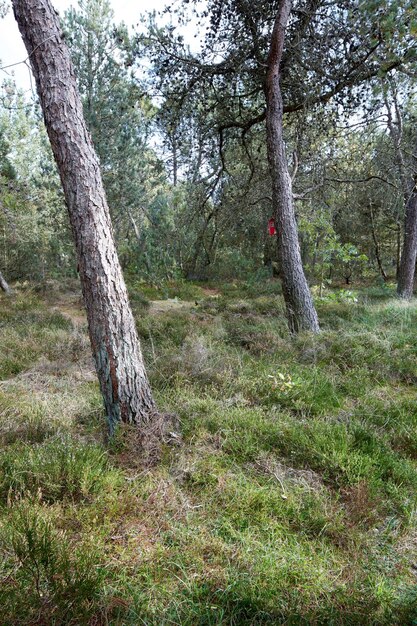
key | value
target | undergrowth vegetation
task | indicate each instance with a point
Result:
(288, 496)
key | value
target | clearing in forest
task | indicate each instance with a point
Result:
(287, 497)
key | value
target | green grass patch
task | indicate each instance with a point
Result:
(55, 470)
(288, 499)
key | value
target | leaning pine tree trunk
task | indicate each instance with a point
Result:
(408, 258)
(299, 303)
(4, 286)
(121, 372)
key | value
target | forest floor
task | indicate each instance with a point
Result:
(287, 496)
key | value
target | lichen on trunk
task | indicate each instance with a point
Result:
(407, 268)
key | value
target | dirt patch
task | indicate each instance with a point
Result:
(71, 307)
(211, 292)
(286, 475)
(53, 375)
(76, 316)
(162, 306)
(360, 505)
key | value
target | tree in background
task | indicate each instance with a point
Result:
(407, 172)
(183, 151)
(121, 119)
(35, 241)
(300, 308)
(3, 284)
(334, 52)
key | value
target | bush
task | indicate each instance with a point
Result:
(46, 579)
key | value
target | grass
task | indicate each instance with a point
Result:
(289, 499)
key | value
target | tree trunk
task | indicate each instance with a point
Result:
(376, 244)
(409, 253)
(406, 270)
(120, 368)
(398, 250)
(299, 303)
(4, 286)
(198, 247)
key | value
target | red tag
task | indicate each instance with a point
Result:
(271, 227)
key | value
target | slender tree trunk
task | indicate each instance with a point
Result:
(199, 246)
(408, 258)
(299, 303)
(376, 244)
(406, 270)
(4, 286)
(398, 250)
(121, 372)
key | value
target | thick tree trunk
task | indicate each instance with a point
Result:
(409, 253)
(299, 303)
(4, 286)
(114, 340)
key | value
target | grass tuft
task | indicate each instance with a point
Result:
(58, 469)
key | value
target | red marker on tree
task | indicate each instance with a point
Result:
(271, 227)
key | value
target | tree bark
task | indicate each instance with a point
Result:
(120, 368)
(407, 266)
(398, 250)
(299, 303)
(408, 258)
(4, 286)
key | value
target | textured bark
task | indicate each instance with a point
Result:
(299, 303)
(398, 250)
(409, 253)
(114, 340)
(4, 286)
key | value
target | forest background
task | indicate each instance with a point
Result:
(285, 491)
